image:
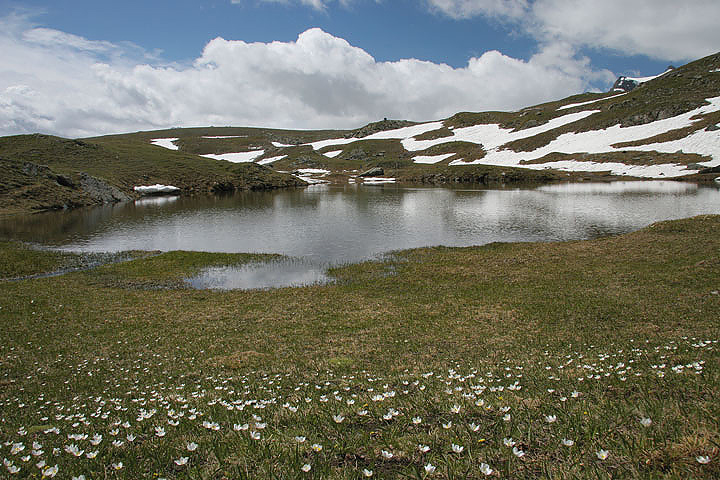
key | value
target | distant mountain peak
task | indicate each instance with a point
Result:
(626, 84)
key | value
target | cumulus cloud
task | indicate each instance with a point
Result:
(662, 29)
(63, 84)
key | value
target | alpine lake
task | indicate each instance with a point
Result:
(329, 225)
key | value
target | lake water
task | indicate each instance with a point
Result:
(327, 224)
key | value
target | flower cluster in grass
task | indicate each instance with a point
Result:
(586, 411)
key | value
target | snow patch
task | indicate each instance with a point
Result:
(333, 154)
(227, 136)
(166, 143)
(308, 174)
(573, 105)
(492, 135)
(281, 145)
(647, 79)
(313, 171)
(311, 180)
(332, 142)
(666, 170)
(432, 159)
(156, 189)
(398, 133)
(268, 161)
(240, 157)
(701, 142)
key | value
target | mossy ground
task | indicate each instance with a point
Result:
(537, 342)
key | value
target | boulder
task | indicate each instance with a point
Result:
(101, 191)
(373, 172)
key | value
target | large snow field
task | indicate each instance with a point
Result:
(397, 134)
(601, 141)
(492, 135)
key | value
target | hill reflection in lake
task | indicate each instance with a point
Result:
(338, 224)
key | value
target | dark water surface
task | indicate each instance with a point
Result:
(325, 225)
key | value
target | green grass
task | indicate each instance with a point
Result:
(167, 269)
(628, 322)
(19, 260)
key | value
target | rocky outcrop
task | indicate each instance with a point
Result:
(628, 83)
(373, 172)
(101, 191)
(376, 127)
(625, 84)
(28, 186)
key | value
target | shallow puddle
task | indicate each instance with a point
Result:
(251, 276)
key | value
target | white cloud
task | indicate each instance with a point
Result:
(58, 83)
(316, 4)
(662, 29)
(471, 8)
(51, 38)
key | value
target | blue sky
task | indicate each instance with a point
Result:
(333, 63)
(390, 30)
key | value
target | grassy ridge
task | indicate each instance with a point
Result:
(121, 164)
(129, 163)
(612, 343)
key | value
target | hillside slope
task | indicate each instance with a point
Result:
(665, 127)
(44, 172)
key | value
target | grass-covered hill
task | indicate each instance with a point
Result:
(45, 172)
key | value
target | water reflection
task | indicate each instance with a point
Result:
(275, 274)
(613, 188)
(331, 224)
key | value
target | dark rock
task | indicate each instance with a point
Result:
(628, 84)
(223, 186)
(64, 181)
(712, 128)
(373, 172)
(101, 191)
(624, 83)
(710, 170)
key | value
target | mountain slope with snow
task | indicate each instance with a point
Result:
(668, 125)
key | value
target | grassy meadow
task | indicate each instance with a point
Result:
(586, 359)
